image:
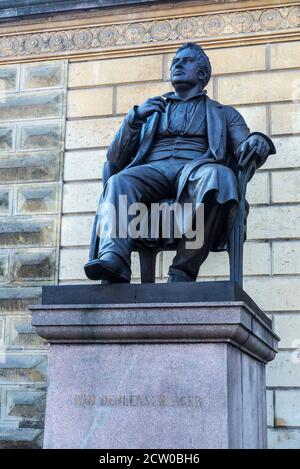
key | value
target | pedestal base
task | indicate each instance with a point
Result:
(189, 375)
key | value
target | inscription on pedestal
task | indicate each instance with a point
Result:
(137, 400)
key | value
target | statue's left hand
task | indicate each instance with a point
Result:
(257, 144)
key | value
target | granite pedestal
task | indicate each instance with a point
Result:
(170, 374)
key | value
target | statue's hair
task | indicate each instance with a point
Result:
(203, 60)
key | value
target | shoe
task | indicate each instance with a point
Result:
(109, 267)
(177, 278)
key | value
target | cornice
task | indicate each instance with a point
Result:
(29, 8)
(152, 31)
(227, 322)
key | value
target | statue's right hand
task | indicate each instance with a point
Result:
(156, 104)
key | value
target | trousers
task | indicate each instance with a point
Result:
(152, 182)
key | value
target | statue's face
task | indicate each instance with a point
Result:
(185, 69)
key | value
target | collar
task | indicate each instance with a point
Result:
(170, 96)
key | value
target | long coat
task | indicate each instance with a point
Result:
(226, 130)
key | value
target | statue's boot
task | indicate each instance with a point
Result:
(173, 278)
(186, 263)
(109, 266)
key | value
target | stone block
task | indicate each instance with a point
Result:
(90, 102)
(255, 117)
(286, 186)
(28, 232)
(73, 260)
(43, 75)
(25, 368)
(23, 404)
(285, 118)
(258, 189)
(270, 407)
(233, 59)
(9, 78)
(274, 222)
(81, 196)
(40, 199)
(283, 438)
(255, 88)
(285, 55)
(237, 59)
(32, 105)
(20, 333)
(4, 265)
(2, 324)
(83, 165)
(15, 300)
(44, 136)
(76, 230)
(287, 408)
(91, 132)
(284, 371)
(274, 293)
(128, 96)
(5, 201)
(17, 438)
(109, 71)
(34, 266)
(257, 258)
(71, 264)
(288, 153)
(257, 261)
(286, 257)
(7, 138)
(287, 326)
(27, 168)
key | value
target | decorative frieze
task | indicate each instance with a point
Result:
(207, 27)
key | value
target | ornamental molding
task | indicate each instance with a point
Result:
(213, 29)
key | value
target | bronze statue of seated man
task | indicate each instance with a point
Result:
(180, 146)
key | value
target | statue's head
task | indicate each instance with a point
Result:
(190, 66)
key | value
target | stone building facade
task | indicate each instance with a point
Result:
(67, 78)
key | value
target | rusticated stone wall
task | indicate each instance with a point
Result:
(32, 123)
